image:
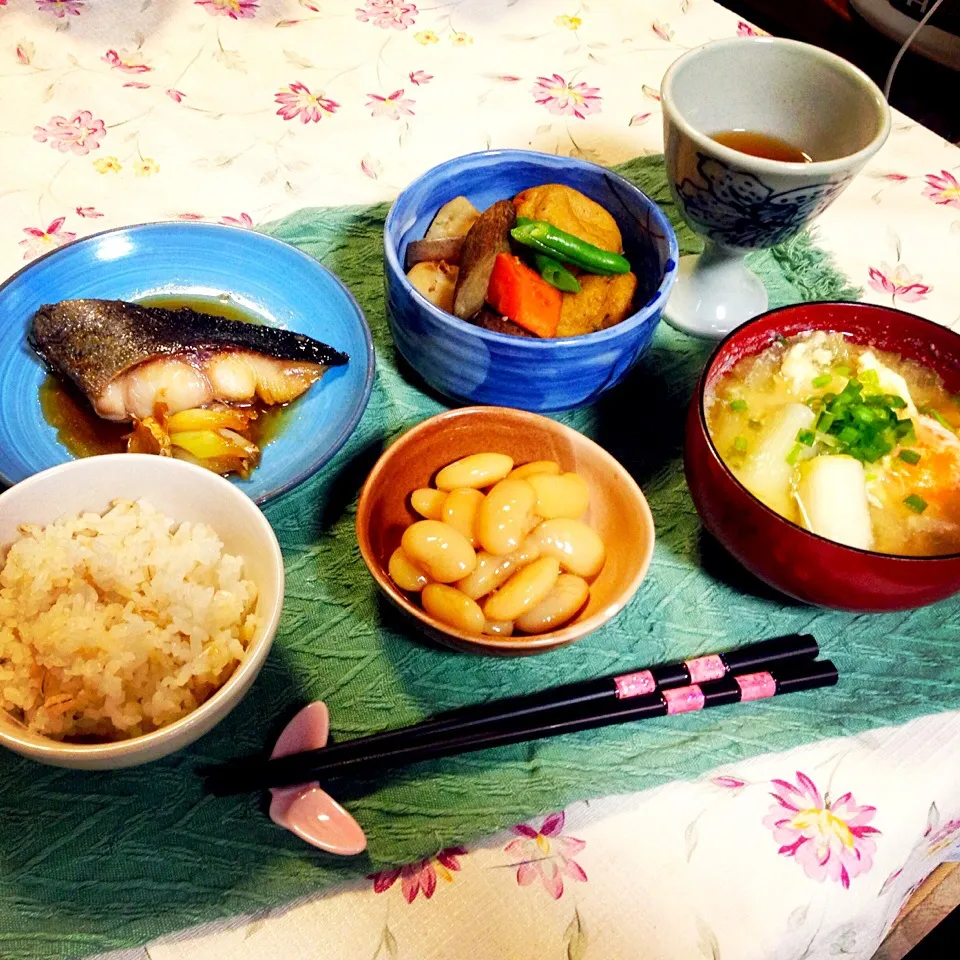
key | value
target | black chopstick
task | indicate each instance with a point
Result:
(634, 683)
(789, 677)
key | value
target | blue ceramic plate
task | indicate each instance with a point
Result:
(282, 285)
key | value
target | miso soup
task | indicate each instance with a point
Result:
(853, 443)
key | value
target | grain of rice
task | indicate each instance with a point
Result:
(112, 626)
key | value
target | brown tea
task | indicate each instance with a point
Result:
(762, 145)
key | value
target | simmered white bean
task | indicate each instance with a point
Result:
(452, 607)
(532, 521)
(524, 590)
(504, 516)
(564, 496)
(478, 470)
(501, 549)
(557, 607)
(536, 466)
(489, 573)
(405, 573)
(428, 502)
(461, 510)
(577, 546)
(444, 553)
(527, 552)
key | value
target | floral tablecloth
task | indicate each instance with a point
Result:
(241, 111)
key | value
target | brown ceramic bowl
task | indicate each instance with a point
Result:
(618, 512)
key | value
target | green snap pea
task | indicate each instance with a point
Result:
(546, 238)
(556, 274)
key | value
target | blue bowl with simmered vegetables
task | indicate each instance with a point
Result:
(487, 357)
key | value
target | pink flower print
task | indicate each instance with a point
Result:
(234, 9)
(830, 840)
(937, 838)
(190, 216)
(371, 167)
(420, 877)
(393, 106)
(638, 119)
(894, 177)
(80, 134)
(943, 189)
(419, 78)
(942, 837)
(745, 30)
(509, 78)
(129, 63)
(40, 241)
(61, 8)
(244, 220)
(729, 783)
(546, 855)
(175, 95)
(25, 51)
(663, 30)
(137, 85)
(297, 100)
(88, 212)
(388, 14)
(899, 283)
(569, 99)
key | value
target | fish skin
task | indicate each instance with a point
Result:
(94, 341)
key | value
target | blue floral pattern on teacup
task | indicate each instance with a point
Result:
(738, 209)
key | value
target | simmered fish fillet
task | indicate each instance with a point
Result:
(128, 358)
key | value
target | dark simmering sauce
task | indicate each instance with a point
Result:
(85, 434)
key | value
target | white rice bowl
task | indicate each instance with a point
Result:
(116, 625)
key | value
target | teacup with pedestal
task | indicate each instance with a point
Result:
(797, 93)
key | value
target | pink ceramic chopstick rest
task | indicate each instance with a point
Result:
(306, 809)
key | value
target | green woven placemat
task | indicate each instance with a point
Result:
(95, 861)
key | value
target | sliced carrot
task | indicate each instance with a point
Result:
(521, 295)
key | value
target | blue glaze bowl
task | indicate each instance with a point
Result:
(277, 282)
(470, 364)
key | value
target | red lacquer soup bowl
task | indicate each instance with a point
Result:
(799, 563)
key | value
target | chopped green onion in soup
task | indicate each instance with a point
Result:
(874, 462)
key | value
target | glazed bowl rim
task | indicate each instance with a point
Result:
(223, 700)
(714, 453)
(644, 314)
(327, 455)
(555, 638)
(814, 169)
